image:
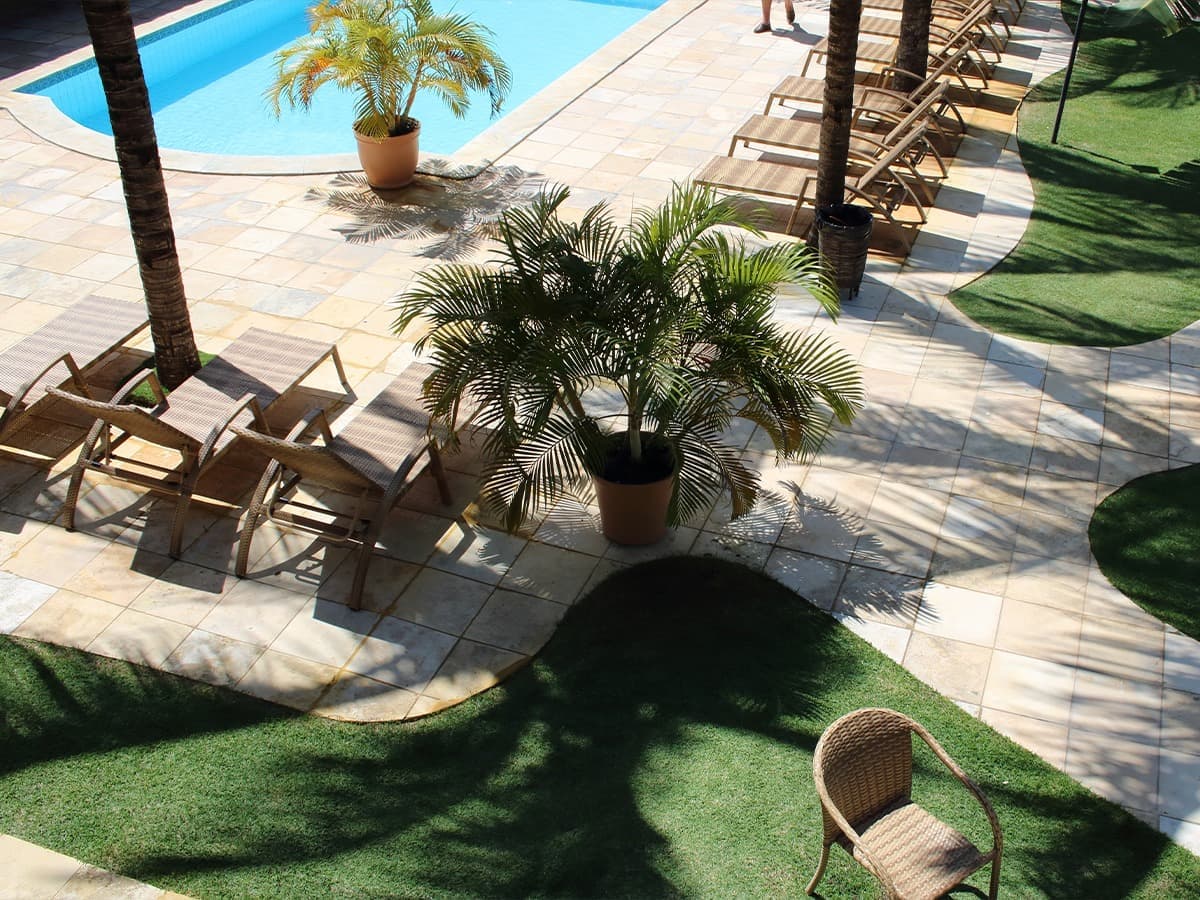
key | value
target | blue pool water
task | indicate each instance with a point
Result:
(207, 75)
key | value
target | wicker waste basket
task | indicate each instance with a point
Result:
(843, 235)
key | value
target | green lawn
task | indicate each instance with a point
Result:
(661, 745)
(1110, 256)
(1146, 538)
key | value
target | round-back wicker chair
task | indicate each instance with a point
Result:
(863, 771)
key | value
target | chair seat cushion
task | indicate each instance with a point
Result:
(922, 855)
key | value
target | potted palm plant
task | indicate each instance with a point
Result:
(619, 356)
(387, 51)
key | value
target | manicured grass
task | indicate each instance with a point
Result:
(1109, 258)
(661, 745)
(1146, 538)
(143, 396)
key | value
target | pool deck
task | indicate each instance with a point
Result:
(947, 526)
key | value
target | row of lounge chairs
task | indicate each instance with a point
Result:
(375, 458)
(893, 130)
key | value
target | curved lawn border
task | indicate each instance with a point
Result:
(661, 745)
(1146, 538)
(1109, 256)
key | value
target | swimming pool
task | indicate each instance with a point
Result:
(207, 74)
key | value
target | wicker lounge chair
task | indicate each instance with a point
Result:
(983, 14)
(61, 353)
(878, 186)
(863, 771)
(237, 387)
(374, 459)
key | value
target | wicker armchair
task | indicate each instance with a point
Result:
(863, 772)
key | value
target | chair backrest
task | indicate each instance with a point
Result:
(314, 463)
(135, 420)
(881, 169)
(917, 114)
(863, 763)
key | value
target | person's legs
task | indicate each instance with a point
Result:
(765, 24)
(791, 11)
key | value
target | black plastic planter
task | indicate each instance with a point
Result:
(843, 236)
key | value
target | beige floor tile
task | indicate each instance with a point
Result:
(56, 556)
(1181, 663)
(959, 614)
(972, 564)
(386, 579)
(549, 572)
(476, 552)
(15, 533)
(412, 536)
(1131, 710)
(140, 638)
(515, 622)
(1030, 629)
(1047, 739)
(441, 600)
(119, 573)
(34, 871)
(325, 632)
(1179, 785)
(1030, 687)
(208, 657)
(573, 526)
(877, 596)
(955, 669)
(68, 619)
(354, 698)
(287, 680)
(471, 667)
(402, 653)
(1125, 772)
(677, 542)
(1116, 649)
(814, 578)
(822, 531)
(184, 593)
(895, 547)
(19, 599)
(887, 639)
(1181, 720)
(253, 612)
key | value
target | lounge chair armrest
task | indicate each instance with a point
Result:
(20, 395)
(317, 416)
(148, 376)
(854, 838)
(246, 401)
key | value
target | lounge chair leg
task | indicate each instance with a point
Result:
(812, 885)
(439, 474)
(85, 456)
(994, 888)
(337, 361)
(253, 516)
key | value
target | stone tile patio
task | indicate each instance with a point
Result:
(947, 526)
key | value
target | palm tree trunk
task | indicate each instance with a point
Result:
(913, 55)
(839, 100)
(111, 27)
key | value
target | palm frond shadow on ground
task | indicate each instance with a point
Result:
(450, 207)
(661, 746)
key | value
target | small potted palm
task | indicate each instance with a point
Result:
(617, 357)
(387, 51)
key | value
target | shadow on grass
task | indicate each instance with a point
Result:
(661, 746)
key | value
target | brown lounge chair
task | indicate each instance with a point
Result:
(62, 352)
(863, 769)
(238, 386)
(374, 459)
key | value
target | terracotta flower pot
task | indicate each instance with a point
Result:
(634, 514)
(389, 162)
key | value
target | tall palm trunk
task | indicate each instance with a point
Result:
(110, 24)
(913, 55)
(839, 100)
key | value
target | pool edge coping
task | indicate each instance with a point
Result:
(40, 115)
